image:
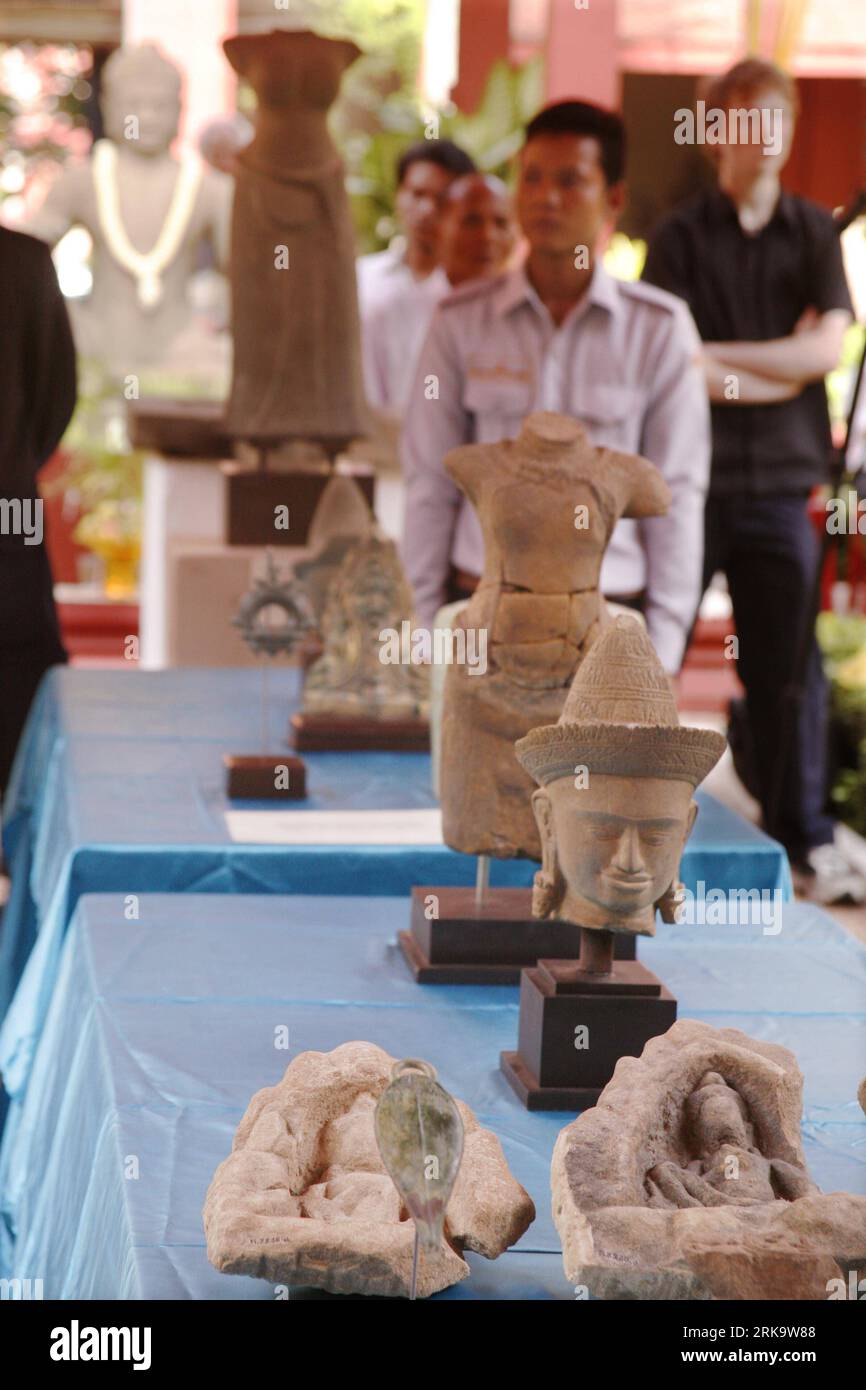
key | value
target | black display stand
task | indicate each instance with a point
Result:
(253, 777)
(485, 936)
(577, 1018)
(310, 732)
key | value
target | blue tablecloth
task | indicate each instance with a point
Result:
(161, 1029)
(118, 787)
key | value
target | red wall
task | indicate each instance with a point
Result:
(483, 41)
(828, 159)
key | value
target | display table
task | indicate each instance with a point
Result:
(161, 1029)
(119, 787)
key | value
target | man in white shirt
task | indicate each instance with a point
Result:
(476, 236)
(561, 334)
(405, 278)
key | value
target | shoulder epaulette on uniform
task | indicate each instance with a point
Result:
(650, 294)
(474, 289)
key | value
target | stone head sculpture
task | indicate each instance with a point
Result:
(716, 1114)
(615, 775)
(141, 99)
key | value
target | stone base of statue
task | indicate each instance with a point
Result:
(185, 428)
(488, 941)
(577, 1018)
(265, 777)
(332, 733)
(259, 499)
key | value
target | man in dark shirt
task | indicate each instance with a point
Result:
(762, 273)
(38, 380)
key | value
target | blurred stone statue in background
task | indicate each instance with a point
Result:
(147, 213)
(297, 352)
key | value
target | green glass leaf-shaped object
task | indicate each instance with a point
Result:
(420, 1136)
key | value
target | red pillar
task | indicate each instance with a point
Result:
(582, 55)
(483, 41)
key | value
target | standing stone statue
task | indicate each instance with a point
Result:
(548, 502)
(146, 211)
(369, 596)
(297, 365)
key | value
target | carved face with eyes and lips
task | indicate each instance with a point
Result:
(611, 849)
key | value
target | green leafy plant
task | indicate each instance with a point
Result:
(492, 135)
(840, 382)
(44, 89)
(102, 476)
(842, 639)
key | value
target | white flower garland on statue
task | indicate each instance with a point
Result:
(147, 268)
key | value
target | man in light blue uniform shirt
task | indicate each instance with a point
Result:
(561, 334)
(399, 288)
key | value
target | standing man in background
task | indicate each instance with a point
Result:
(425, 172)
(478, 233)
(476, 236)
(38, 400)
(762, 273)
(560, 334)
(405, 281)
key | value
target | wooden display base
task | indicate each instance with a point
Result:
(256, 777)
(318, 733)
(187, 428)
(254, 494)
(488, 943)
(611, 1012)
(527, 1089)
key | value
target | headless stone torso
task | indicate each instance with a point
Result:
(141, 106)
(535, 631)
(295, 322)
(547, 503)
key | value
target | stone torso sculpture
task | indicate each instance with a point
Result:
(297, 365)
(548, 503)
(616, 775)
(147, 214)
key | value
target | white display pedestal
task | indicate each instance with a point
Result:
(205, 583)
(182, 498)
(188, 575)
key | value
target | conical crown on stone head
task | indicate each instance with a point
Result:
(621, 681)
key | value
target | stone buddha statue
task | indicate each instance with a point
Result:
(146, 211)
(727, 1167)
(368, 596)
(547, 502)
(616, 776)
(297, 362)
